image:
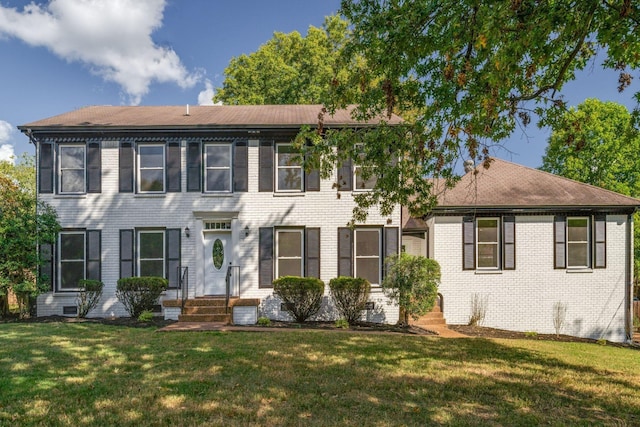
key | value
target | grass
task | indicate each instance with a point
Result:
(81, 374)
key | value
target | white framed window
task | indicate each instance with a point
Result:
(488, 243)
(289, 252)
(217, 164)
(72, 169)
(72, 266)
(363, 178)
(368, 250)
(578, 242)
(151, 168)
(290, 176)
(151, 256)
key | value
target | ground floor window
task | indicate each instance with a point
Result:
(368, 247)
(289, 252)
(151, 253)
(72, 268)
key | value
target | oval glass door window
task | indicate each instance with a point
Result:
(218, 254)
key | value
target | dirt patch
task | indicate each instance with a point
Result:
(116, 321)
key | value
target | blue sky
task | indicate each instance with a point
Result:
(61, 55)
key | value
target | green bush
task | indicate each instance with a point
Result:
(138, 294)
(88, 296)
(350, 294)
(146, 316)
(302, 296)
(264, 321)
(342, 324)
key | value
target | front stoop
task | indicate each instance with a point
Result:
(433, 318)
(209, 309)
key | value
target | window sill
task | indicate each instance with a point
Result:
(291, 194)
(364, 190)
(70, 196)
(150, 196)
(227, 194)
(488, 272)
(579, 270)
(65, 293)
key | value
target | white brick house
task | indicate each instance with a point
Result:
(520, 240)
(188, 193)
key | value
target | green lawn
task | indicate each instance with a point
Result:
(81, 374)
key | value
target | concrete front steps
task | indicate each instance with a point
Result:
(433, 318)
(210, 309)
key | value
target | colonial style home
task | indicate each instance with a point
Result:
(525, 250)
(212, 198)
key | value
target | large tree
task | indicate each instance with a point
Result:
(288, 69)
(597, 143)
(24, 222)
(469, 72)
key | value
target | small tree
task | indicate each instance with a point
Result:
(559, 316)
(89, 295)
(302, 296)
(138, 294)
(350, 295)
(412, 283)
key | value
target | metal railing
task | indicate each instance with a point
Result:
(183, 284)
(232, 283)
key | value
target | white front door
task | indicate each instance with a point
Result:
(217, 250)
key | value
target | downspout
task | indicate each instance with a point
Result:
(629, 280)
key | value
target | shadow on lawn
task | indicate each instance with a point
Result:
(90, 374)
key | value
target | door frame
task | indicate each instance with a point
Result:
(228, 259)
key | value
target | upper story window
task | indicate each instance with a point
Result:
(72, 169)
(217, 159)
(289, 252)
(151, 168)
(578, 242)
(289, 176)
(363, 177)
(488, 243)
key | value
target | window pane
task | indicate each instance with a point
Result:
(289, 267)
(151, 156)
(218, 180)
(368, 268)
(487, 230)
(290, 179)
(362, 183)
(218, 156)
(578, 229)
(289, 244)
(152, 180)
(487, 255)
(577, 254)
(151, 245)
(367, 243)
(70, 274)
(72, 181)
(72, 246)
(72, 157)
(288, 156)
(152, 268)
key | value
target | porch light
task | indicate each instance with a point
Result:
(187, 231)
(246, 231)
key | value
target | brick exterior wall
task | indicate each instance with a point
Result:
(523, 299)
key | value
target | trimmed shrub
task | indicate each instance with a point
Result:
(146, 316)
(350, 295)
(302, 296)
(138, 294)
(88, 296)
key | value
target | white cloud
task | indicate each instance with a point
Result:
(113, 38)
(6, 149)
(205, 97)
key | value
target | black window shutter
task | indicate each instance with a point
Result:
(194, 166)
(240, 167)
(126, 168)
(509, 242)
(312, 180)
(174, 181)
(93, 255)
(600, 241)
(559, 240)
(391, 245)
(468, 243)
(312, 252)
(345, 176)
(126, 253)
(46, 265)
(345, 251)
(266, 166)
(94, 168)
(266, 257)
(173, 256)
(45, 167)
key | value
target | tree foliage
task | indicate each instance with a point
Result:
(288, 69)
(469, 72)
(597, 143)
(23, 223)
(412, 282)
